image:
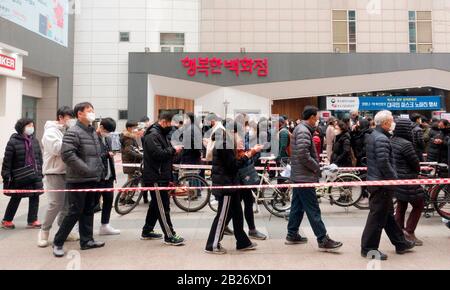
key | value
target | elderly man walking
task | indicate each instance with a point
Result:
(380, 166)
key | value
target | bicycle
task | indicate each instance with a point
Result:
(277, 200)
(189, 200)
(343, 196)
(437, 196)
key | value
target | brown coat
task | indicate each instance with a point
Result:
(129, 140)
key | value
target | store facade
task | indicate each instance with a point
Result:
(279, 83)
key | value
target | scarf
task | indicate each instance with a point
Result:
(29, 151)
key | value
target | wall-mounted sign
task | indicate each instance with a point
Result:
(405, 103)
(7, 62)
(214, 66)
(48, 18)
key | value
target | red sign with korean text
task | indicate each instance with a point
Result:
(7, 62)
(213, 66)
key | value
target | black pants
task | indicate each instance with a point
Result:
(81, 210)
(108, 198)
(381, 216)
(13, 205)
(159, 210)
(229, 205)
(249, 200)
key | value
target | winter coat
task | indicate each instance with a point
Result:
(52, 143)
(15, 159)
(342, 150)
(305, 166)
(81, 152)
(127, 141)
(406, 160)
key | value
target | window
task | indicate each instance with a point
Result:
(124, 36)
(172, 42)
(123, 114)
(420, 31)
(344, 31)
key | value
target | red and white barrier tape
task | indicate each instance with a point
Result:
(405, 182)
(209, 167)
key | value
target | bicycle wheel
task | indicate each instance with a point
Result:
(363, 202)
(213, 203)
(191, 200)
(345, 196)
(440, 198)
(277, 200)
(126, 201)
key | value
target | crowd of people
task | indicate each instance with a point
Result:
(76, 154)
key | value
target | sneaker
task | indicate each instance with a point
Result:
(108, 230)
(328, 245)
(374, 254)
(43, 239)
(92, 245)
(151, 236)
(297, 239)
(218, 251)
(34, 225)
(254, 234)
(58, 252)
(73, 237)
(412, 238)
(228, 232)
(174, 241)
(250, 247)
(406, 249)
(8, 225)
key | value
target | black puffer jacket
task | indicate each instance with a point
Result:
(342, 149)
(305, 166)
(358, 140)
(380, 160)
(418, 141)
(436, 151)
(406, 160)
(15, 159)
(158, 156)
(81, 152)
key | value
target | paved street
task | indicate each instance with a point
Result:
(19, 251)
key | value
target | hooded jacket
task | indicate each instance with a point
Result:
(406, 160)
(52, 142)
(158, 156)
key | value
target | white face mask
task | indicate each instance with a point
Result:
(392, 127)
(90, 116)
(70, 123)
(337, 131)
(317, 123)
(29, 131)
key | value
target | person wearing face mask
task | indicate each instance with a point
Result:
(437, 149)
(381, 166)
(358, 141)
(22, 169)
(105, 128)
(305, 168)
(129, 141)
(342, 155)
(158, 159)
(81, 152)
(330, 135)
(54, 171)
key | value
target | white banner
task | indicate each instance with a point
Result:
(342, 103)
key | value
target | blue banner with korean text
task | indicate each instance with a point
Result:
(404, 103)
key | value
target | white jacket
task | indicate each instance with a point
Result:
(52, 142)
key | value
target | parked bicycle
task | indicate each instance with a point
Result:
(277, 200)
(189, 200)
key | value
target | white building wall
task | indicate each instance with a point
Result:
(101, 61)
(305, 25)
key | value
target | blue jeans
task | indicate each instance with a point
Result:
(305, 200)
